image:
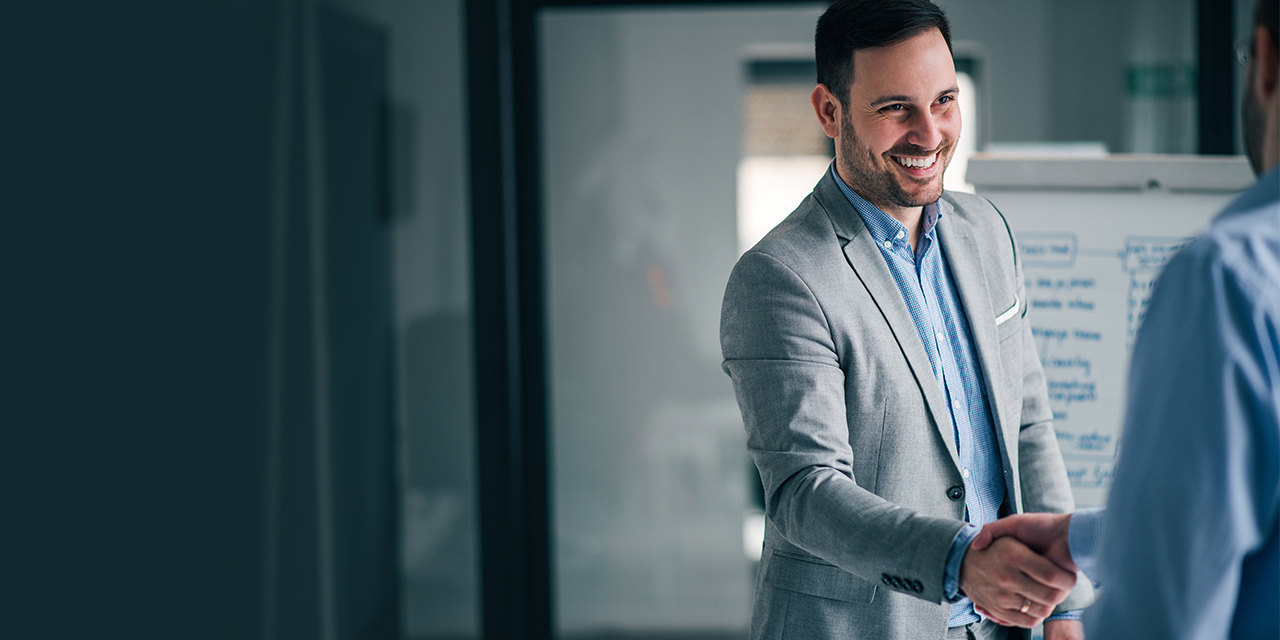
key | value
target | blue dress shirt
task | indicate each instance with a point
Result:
(930, 294)
(1189, 547)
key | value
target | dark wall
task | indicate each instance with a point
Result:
(137, 252)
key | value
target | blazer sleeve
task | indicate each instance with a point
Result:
(779, 351)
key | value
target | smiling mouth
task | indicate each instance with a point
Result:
(917, 163)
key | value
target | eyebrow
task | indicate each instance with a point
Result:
(883, 100)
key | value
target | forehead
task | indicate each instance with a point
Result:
(920, 66)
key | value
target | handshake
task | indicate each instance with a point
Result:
(1019, 568)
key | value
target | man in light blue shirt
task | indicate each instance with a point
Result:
(1188, 546)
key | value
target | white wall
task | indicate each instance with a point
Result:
(1015, 35)
(1058, 69)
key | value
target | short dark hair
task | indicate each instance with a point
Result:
(1266, 14)
(849, 25)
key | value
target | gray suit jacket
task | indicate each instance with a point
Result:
(848, 426)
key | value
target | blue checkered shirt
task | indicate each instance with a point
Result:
(927, 287)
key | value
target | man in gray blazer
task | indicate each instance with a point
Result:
(888, 380)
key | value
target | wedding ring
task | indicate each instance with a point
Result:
(1026, 604)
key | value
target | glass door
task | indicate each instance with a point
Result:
(642, 137)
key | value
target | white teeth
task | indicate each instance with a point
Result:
(917, 163)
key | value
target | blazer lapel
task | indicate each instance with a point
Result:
(964, 258)
(868, 264)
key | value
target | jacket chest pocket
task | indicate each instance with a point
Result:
(1009, 323)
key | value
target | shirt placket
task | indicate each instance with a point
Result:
(912, 262)
(930, 272)
(978, 428)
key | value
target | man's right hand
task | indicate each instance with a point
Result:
(1047, 533)
(1007, 576)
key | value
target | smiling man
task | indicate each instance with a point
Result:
(889, 385)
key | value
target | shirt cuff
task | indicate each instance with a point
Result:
(959, 546)
(1084, 532)
(1074, 614)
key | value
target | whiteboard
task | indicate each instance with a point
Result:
(1093, 234)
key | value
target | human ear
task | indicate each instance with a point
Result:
(828, 110)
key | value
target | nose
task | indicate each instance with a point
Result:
(926, 129)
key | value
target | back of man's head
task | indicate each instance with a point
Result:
(850, 25)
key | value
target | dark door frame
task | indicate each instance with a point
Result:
(1215, 85)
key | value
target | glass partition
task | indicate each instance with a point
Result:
(426, 126)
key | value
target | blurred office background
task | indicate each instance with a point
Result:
(399, 318)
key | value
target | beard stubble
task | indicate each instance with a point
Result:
(881, 185)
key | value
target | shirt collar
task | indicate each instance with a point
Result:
(882, 225)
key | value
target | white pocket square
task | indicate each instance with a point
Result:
(1009, 313)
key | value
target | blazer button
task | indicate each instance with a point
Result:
(956, 492)
(884, 577)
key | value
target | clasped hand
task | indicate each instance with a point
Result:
(1012, 584)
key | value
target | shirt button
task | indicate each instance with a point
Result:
(966, 474)
(887, 244)
(900, 234)
(938, 335)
